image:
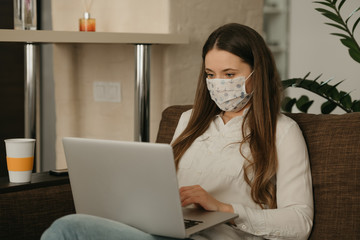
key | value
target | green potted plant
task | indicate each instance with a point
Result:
(333, 97)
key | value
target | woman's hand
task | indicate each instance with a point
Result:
(198, 196)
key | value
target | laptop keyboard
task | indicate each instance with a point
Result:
(190, 223)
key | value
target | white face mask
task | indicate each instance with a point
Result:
(229, 94)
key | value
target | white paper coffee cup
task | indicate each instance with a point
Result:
(20, 159)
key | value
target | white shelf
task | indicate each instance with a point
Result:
(43, 36)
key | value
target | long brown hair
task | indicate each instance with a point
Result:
(259, 125)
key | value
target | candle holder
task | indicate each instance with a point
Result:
(87, 24)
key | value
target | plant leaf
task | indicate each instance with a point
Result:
(348, 42)
(340, 35)
(333, 92)
(356, 106)
(338, 83)
(332, 16)
(288, 103)
(312, 83)
(303, 99)
(346, 100)
(317, 77)
(323, 11)
(354, 55)
(327, 107)
(354, 26)
(306, 75)
(305, 107)
(288, 83)
(324, 90)
(303, 103)
(352, 13)
(314, 87)
(326, 82)
(341, 4)
(299, 81)
(326, 4)
(337, 26)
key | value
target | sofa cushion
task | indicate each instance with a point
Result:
(333, 144)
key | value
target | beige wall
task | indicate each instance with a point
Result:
(174, 69)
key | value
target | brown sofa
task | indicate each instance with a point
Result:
(334, 148)
(333, 143)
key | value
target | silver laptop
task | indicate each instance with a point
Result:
(133, 183)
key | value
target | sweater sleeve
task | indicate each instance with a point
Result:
(293, 217)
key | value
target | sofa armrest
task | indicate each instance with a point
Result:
(169, 120)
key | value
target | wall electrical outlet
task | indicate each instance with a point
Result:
(107, 92)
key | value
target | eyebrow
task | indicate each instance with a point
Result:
(225, 70)
(230, 69)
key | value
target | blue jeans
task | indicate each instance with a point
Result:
(86, 227)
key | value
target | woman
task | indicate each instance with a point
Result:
(234, 151)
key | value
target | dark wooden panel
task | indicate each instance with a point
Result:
(11, 85)
(6, 14)
(11, 96)
(26, 210)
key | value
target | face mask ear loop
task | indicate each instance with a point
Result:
(245, 83)
(249, 75)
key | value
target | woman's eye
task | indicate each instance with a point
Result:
(209, 75)
(230, 75)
